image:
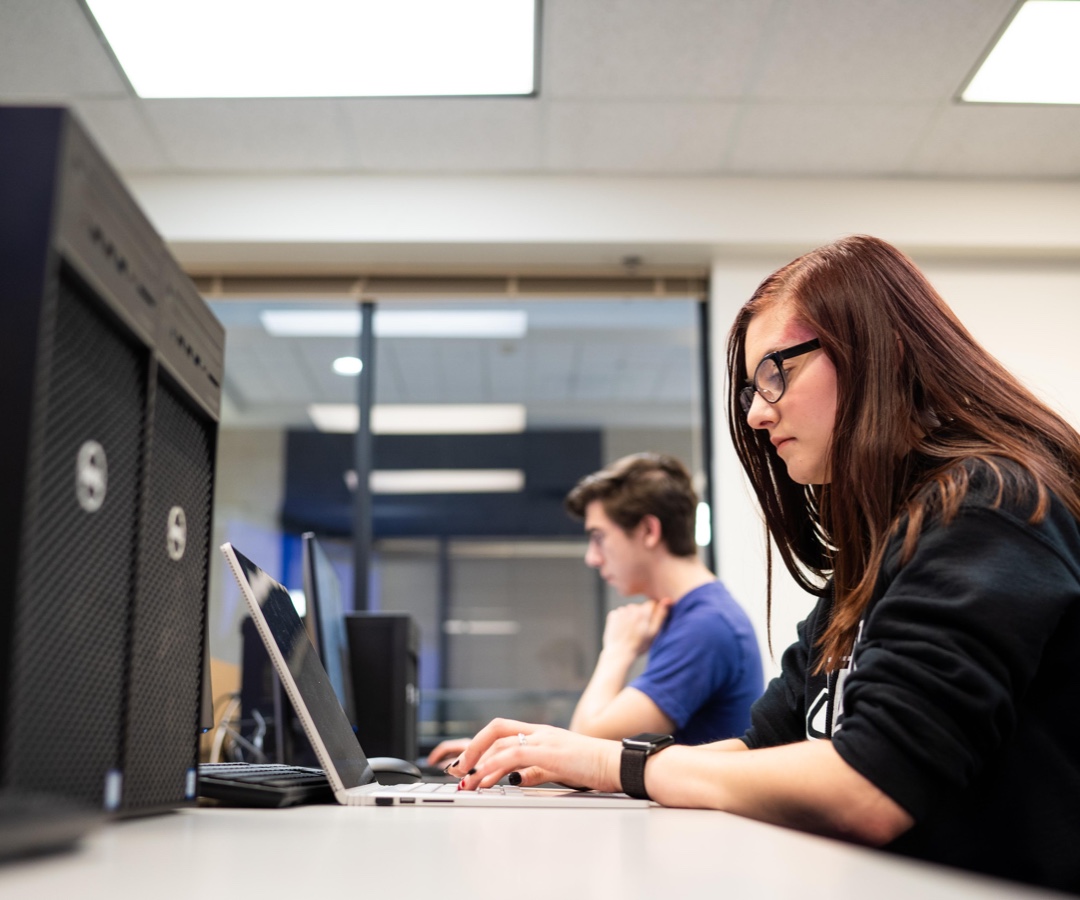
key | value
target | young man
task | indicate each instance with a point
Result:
(704, 666)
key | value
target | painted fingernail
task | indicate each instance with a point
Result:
(514, 778)
(449, 766)
(471, 772)
(461, 785)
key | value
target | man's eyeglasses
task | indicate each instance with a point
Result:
(769, 380)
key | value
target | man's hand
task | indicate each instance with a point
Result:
(447, 751)
(632, 628)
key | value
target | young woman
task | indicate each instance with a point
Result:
(932, 702)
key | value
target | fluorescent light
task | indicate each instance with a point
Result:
(448, 418)
(395, 323)
(420, 418)
(1036, 60)
(336, 418)
(465, 323)
(311, 322)
(348, 365)
(446, 481)
(321, 48)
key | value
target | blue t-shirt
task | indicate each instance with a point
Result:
(704, 667)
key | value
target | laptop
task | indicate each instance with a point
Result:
(327, 727)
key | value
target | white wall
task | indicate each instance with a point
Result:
(1027, 315)
(248, 491)
(231, 223)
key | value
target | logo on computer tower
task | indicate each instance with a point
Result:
(176, 534)
(91, 476)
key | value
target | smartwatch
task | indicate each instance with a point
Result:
(635, 750)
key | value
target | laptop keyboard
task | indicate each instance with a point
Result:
(427, 787)
(505, 790)
(260, 773)
(275, 784)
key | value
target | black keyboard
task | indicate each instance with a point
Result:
(263, 784)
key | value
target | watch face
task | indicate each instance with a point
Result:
(648, 741)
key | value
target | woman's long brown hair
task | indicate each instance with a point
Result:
(916, 395)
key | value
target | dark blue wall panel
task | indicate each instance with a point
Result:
(317, 497)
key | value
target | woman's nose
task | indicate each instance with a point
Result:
(762, 413)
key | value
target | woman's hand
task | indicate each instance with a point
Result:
(538, 753)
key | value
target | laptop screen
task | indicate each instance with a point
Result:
(313, 684)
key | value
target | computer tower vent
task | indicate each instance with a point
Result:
(76, 574)
(169, 614)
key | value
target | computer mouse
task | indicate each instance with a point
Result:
(390, 770)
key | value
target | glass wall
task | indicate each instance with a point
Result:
(519, 398)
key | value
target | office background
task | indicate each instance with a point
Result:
(670, 144)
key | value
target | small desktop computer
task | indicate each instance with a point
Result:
(383, 659)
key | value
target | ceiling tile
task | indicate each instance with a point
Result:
(649, 48)
(816, 139)
(645, 137)
(49, 50)
(999, 140)
(506, 367)
(316, 356)
(250, 135)
(422, 372)
(460, 371)
(887, 50)
(554, 367)
(446, 135)
(121, 130)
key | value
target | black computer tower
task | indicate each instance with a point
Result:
(383, 649)
(111, 366)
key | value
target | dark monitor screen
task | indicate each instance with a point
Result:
(278, 624)
(325, 619)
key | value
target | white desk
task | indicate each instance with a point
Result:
(326, 852)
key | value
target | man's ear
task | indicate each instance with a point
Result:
(653, 531)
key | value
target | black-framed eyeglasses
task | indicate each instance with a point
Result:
(769, 380)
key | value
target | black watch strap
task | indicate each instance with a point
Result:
(635, 750)
(632, 771)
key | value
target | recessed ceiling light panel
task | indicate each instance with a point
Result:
(447, 481)
(322, 48)
(419, 418)
(1036, 60)
(393, 323)
(464, 323)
